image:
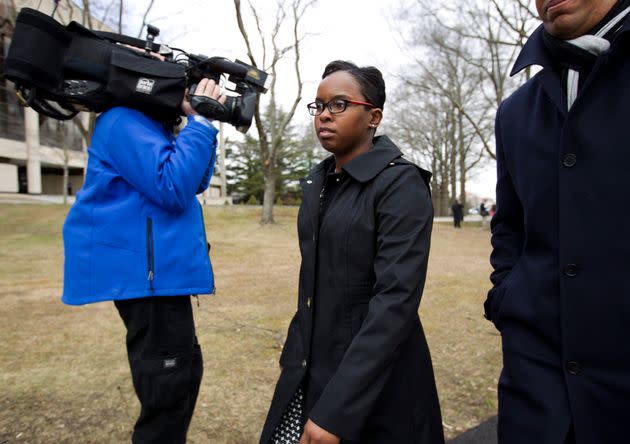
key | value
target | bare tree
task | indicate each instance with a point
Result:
(271, 124)
(440, 115)
(7, 24)
(494, 31)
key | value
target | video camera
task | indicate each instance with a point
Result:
(60, 71)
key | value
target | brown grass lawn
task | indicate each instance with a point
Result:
(63, 370)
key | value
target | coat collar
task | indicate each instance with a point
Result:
(535, 53)
(366, 167)
(362, 168)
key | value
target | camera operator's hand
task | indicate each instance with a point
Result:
(207, 88)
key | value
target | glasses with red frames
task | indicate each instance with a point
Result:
(335, 106)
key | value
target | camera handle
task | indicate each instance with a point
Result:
(152, 33)
(209, 108)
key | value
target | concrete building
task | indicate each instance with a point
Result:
(36, 151)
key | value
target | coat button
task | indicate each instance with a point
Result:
(304, 363)
(309, 302)
(573, 367)
(569, 160)
(570, 270)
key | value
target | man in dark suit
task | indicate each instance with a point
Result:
(561, 296)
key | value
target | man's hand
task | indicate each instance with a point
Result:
(314, 434)
(207, 88)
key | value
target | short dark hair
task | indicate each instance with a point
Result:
(369, 78)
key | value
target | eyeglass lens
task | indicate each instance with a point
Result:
(335, 106)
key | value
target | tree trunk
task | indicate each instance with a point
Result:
(120, 16)
(66, 161)
(4, 85)
(453, 177)
(268, 198)
(444, 199)
(462, 189)
(222, 162)
(444, 193)
(65, 177)
(462, 160)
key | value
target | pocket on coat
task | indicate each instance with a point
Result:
(116, 272)
(499, 295)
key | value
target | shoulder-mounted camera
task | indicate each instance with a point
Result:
(62, 70)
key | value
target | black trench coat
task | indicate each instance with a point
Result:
(356, 343)
(561, 295)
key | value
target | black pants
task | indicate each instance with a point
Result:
(166, 365)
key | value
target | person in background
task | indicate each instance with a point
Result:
(458, 213)
(136, 236)
(483, 211)
(561, 295)
(356, 366)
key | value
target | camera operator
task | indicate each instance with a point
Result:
(136, 236)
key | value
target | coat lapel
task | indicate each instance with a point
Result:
(550, 81)
(535, 53)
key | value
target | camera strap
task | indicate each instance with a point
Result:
(42, 106)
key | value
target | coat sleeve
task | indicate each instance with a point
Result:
(404, 217)
(167, 173)
(207, 175)
(507, 224)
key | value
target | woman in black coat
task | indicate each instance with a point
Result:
(356, 366)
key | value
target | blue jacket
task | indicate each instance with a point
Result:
(136, 228)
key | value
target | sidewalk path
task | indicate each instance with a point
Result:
(41, 199)
(46, 199)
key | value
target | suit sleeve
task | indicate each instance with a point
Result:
(404, 216)
(167, 173)
(507, 224)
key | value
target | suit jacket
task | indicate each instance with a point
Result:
(356, 343)
(561, 295)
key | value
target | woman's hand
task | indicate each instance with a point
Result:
(314, 434)
(208, 88)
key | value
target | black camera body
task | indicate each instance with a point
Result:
(249, 81)
(60, 70)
